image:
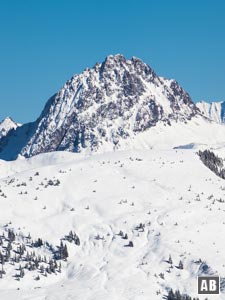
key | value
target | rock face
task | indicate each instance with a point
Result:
(214, 111)
(7, 125)
(113, 101)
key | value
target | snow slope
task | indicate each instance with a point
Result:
(170, 192)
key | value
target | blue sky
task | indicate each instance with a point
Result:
(44, 42)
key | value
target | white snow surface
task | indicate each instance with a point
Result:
(168, 190)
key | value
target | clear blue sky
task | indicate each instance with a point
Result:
(44, 42)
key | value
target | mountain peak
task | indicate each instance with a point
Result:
(120, 61)
(115, 57)
(103, 107)
(7, 119)
(112, 62)
(7, 125)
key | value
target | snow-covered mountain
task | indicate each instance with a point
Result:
(215, 111)
(100, 108)
(116, 225)
(7, 125)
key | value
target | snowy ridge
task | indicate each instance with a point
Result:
(214, 111)
(101, 108)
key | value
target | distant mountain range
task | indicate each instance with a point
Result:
(104, 108)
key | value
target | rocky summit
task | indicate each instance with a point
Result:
(111, 102)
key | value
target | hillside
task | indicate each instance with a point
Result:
(150, 198)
